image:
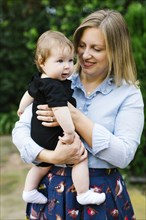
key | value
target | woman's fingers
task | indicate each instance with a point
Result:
(84, 155)
(79, 153)
(46, 115)
(50, 124)
(43, 107)
(44, 110)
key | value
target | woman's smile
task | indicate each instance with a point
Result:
(92, 52)
(88, 64)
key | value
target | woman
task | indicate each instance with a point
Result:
(109, 119)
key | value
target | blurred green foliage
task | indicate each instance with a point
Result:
(22, 21)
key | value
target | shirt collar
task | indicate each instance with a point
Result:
(105, 87)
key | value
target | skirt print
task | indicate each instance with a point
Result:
(58, 187)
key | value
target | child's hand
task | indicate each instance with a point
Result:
(19, 112)
(67, 138)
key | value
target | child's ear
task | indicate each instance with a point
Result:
(40, 61)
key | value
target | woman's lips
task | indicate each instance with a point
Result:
(87, 64)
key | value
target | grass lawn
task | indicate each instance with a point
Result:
(12, 176)
(138, 199)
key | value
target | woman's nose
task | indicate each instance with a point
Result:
(86, 54)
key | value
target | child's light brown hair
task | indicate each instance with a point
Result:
(48, 41)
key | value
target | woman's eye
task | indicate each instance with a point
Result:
(81, 45)
(97, 49)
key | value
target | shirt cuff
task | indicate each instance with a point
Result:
(29, 156)
(100, 139)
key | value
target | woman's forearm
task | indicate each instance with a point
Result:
(26, 146)
(64, 154)
(21, 137)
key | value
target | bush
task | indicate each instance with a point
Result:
(23, 21)
(7, 121)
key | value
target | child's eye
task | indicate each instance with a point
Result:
(71, 60)
(60, 61)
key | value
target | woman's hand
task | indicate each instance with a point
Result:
(45, 114)
(65, 154)
(80, 121)
(70, 154)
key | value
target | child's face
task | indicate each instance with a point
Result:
(58, 65)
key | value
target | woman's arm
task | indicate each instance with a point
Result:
(65, 154)
(80, 121)
(21, 137)
(117, 148)
(30, 151)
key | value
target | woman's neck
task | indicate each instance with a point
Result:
(90, 83)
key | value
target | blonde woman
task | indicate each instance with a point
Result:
(109, 117)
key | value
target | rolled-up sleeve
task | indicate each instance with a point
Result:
(21, 138)
(119, 147)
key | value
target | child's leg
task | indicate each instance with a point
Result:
(30, 193)
(80, 176)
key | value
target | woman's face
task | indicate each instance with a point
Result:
(92, 53)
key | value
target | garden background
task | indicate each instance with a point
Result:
(21, 23)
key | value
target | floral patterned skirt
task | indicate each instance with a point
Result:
(57, 186)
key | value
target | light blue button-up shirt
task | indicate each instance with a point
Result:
(118, 116)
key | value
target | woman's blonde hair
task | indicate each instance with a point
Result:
(117, 40)
(48, 41)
